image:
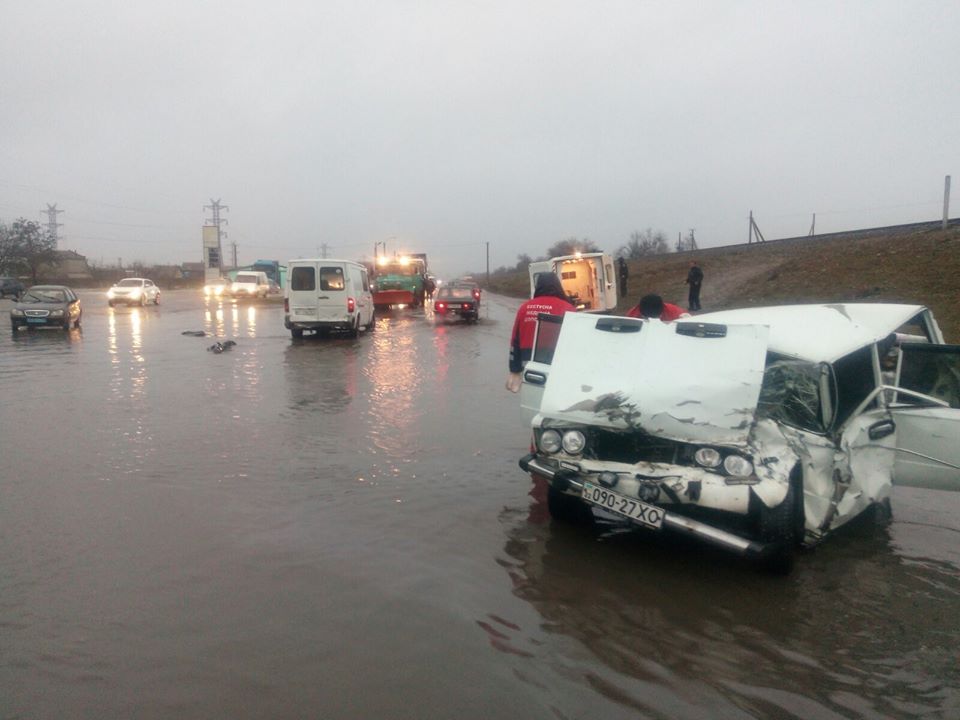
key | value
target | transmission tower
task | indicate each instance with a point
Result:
(52, 223)
(215, 207)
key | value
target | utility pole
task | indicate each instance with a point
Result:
(813, 226)
(754, 230)
(52, 223)
(323, 248)
(946, 201)
(693, 240)
(488, 263)
(234, 246)
(215, 207)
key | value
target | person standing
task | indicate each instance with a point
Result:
(548, 297)
(623, 273)
(694, 280)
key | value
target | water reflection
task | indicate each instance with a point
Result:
(396, 369)
(688, 632)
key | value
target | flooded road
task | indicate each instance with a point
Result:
(339, 529)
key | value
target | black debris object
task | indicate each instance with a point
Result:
(219, 347)
(194, 333)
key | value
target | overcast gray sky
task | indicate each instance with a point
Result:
(441, 126)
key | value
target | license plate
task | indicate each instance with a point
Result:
(36, 321)
(305, 311)
(641, 512)
(454, 306)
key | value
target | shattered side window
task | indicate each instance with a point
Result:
(933, 370)
(545, 342)
(790, 393)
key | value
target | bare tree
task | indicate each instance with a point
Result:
(571, 246)
(644, 243)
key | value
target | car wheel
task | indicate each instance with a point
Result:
(568, 509)
(355, 330)
(14, 326)
(110, 303)
(296, 332)
(156, 299)
(781, 529)
(373, 322)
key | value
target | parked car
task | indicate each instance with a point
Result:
(758, 430)
(454, 301)
(134, 291)
(250, 284)
(10, 287)
(47, 306)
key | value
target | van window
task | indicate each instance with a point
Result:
(303, 278)
(331, 278)
(366, 280)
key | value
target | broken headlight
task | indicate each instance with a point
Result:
(737, 465)
(573, 442)
(550, 441)
(708, 457)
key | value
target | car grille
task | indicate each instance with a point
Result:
(36, 313)
(632, 447)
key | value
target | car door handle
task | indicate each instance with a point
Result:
(535, 378)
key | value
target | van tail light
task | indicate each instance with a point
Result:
(286, 305)
(351, 304)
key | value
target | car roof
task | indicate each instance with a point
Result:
(820, 333)
(48, 287)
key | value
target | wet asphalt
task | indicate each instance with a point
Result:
(338, 528)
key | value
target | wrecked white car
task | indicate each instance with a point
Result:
(757, 430)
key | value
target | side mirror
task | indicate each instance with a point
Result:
(881, 429)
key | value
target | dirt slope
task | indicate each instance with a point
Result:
(921, 267)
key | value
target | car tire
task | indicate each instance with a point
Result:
(14, 326)
(110, 303)
(781, 528)
(296, 333)
(156, 299)
(568, 509)
(354, 332)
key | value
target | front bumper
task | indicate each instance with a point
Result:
(393, 297)
(566, 480)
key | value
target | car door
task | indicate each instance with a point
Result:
(927, 413)
(537, 370)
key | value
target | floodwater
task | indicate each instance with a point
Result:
(339, 529)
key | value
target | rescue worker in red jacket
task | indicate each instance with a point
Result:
(548, 297)
(653, 306)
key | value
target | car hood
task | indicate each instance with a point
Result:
(660, 378)
(41, 306)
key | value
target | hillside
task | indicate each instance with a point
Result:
(921, 267)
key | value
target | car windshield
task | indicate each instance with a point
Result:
(246, 279)
(456, 292)
(44, 296)
(130, 282)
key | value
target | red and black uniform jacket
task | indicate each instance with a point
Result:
(525, 325)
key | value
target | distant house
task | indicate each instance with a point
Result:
(71, 267)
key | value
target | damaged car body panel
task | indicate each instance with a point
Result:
(757, 430)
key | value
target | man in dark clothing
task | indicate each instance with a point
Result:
(549, 298)
(623, 273)
(694, 280)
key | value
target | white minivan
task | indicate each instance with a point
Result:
(323, 295)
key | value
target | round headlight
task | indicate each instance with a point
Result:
(737, 465)
(550, 441)
(573, 442)
(707, 457)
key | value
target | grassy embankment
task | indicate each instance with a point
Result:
(921, 267)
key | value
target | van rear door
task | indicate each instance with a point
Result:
(302, 293)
